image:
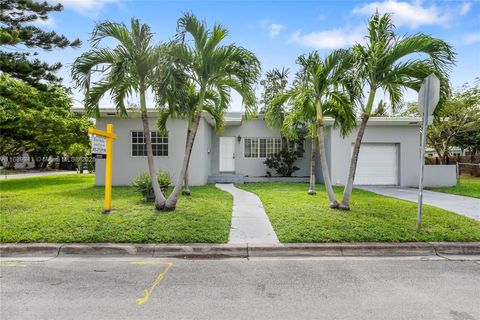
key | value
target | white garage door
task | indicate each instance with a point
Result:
(377, 164)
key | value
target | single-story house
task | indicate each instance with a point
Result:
(389, 154)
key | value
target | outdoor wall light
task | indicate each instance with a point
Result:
(239, 138)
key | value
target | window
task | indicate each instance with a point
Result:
(261, 147)
(159, 144)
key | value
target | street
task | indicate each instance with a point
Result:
(322, 288)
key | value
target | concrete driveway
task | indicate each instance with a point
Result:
(469, 207)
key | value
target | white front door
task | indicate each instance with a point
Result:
(377, 164)
(227, 154)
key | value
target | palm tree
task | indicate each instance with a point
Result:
(183, 107)
(392, 63)
(212, 67)
(128, 70)
(298, 117)
(322, 88)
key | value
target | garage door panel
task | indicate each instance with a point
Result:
(377, 164)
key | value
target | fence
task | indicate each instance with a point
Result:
(466, 165)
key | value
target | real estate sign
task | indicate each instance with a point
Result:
(99, 145)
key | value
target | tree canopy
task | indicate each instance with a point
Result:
(17, 29)
(38, 122)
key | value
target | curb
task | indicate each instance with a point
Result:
(216, 251)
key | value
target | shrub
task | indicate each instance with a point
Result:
(143, 184)
(282, 162)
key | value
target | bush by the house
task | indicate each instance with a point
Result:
(282, 162)
(143, 184)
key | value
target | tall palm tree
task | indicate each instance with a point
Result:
(298, 117)
(183, 107)
(128, 70)
(391, 63)
(322, 88)
(211, 67)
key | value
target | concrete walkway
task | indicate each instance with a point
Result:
(469, 207)
(35, 174)
(250, 223)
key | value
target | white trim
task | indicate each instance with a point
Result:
(155, 156)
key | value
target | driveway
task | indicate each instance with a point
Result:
(469, 207)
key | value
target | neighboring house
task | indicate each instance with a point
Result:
(453, 151)
(389, 153)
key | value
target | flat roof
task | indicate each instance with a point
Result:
(237, 117)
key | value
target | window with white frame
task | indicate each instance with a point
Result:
(261, 147)
(159, 144)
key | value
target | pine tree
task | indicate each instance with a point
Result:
(16, 29)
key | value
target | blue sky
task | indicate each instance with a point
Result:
(279, 31)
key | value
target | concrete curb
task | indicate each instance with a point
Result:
(213, 251)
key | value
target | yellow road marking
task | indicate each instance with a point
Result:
(159, 278)
(12, 264)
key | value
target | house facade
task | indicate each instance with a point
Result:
(389, 153)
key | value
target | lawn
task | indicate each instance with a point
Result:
(469, 187)
(66, 208)
(298, 217)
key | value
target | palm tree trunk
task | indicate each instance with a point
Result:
(347, 192)
(324, 166)
(313, 160)
(186, 189)
(173, 198)
(159, 197)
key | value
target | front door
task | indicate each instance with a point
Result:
(227, 154)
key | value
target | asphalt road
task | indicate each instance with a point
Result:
(334, 288)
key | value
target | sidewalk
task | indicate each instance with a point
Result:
(36, 174)
(466, 206)
(250, 223)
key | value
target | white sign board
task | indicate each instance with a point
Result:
(99, 145)
(429, 95)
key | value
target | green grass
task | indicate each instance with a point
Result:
(66, 208)
(469, 187)
(298, 217)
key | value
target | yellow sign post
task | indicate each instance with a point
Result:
(109, 136)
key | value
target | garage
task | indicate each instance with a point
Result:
(377, 164)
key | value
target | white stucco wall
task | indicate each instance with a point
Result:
(407, 138)
(126, 167)
(254, 167)
(440, 176)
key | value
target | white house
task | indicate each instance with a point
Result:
(389, 154)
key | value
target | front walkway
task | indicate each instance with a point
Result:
(250, 223)
(469, 207)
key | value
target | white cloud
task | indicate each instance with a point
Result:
(465, 8)
(471, 38)
(275, 29)
(404, 13)
(49, 23)
(329, 39)
(89, 7)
